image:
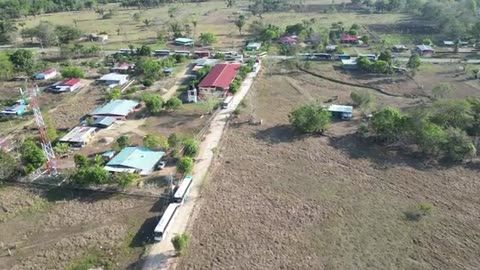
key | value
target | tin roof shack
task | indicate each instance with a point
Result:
(348, 39)
(46, 74)
(68, 85)
(135, 159)
(423, 50)
(184, 42)
(119, 109)
(122, 68)
(79, 136)
(341, 111)
(349, 64)
(220, 77)
(113, 79)
(253, 46)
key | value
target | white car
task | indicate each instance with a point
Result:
(161, 165)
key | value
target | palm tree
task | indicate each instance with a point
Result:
(240, 22)
(194, 23)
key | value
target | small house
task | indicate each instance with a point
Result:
(200, 63)
(107, 155)
(341, 111)
(79, 136)
(253, 46)
(123, 67)
(184, 42)
(139, 160)
(119, 109)
(288, 40)
(16, 109)
(201, 54)
(423, 50)
(348, 39)
(399, 48)
(220, 77)
(349, 64)
(161, 53)
(113, 79)
(46, 74)
(103, 122)
(68, 85)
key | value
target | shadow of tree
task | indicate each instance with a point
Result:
(279, 134)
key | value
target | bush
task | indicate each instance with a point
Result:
(185, 165)
(155, 142)
(458, 146)
(72, 72)
(388, 124)
(147, 82)
(310, 118)
(234, 86)
(90, 175)
(122, 142)
(154, 103)
(180, 243)
(80, 160)
(7, 166)
(173, 140)
(173, 103)
(124, 179)
(190, 147)
(362, 98)
(32, 155)
(422, 210)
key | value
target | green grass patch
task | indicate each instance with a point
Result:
(93, 258)
(38, 206)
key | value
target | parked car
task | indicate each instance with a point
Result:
(161, 165)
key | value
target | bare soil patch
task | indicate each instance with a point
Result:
(279, 200)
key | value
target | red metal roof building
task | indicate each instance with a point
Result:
(346, 38)
(220, 77)
(68, 85)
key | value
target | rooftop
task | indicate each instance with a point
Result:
(221, 75)
(123, 66)
(78, 134)
(138, 158)
(351, 61)
(48, 71)
(15, 108)
(340, 108)
(287, 39)
(347, 37)
(118, 107)
(424, 47)
(68, 82)
(184, 40)
(114, 77)
(104, 121)
(254, 44)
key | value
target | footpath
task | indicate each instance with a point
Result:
(162, 254)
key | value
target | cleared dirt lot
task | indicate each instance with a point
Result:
(277, 200)
(59, 229)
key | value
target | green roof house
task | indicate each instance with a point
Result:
(139, 160)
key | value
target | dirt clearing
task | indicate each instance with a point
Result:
(278, 200)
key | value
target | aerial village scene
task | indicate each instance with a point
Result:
(239, 134)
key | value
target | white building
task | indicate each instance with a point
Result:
(113, 79)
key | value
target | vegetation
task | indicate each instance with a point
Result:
(173, 140)
(185, 165)
(23, 61)
(124, 179)
(31, 155)
(6, 67)
(363, 98)
(155, 142)
(154, 103)
(207, 38)
(114, 93)
(8, 166)
(88, 175)
(180, 243)
(310, 118)
(173, 103)
(190, 147)
(72, 72)
(421, 210)
(413, 63)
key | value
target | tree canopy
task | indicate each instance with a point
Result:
(310, 118)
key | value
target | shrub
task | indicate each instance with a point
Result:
(362, 98)
(185, 165)
(173, 140)
(72, 72)
(155, 142)
(154, 103)
(180, 243)
(173, 103)
(420, 211)
(122, 142)
(90, 175)
(458, 146)
(124, 179)
(234, 86)
(147, 82)
(7, 166)
(80, 160)
(310, 118)
(190, 147)
(388, 124)
(32, 155)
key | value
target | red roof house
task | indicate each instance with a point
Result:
(346, 38)
(46, 74)
(220, 77)
(288, 40)
(123, 67)
(68, 85)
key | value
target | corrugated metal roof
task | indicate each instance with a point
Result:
(184, 40)
(69, 82)
(104, 121)
(118, 107)
(114, 77)
(139, 158)
(340, 108)
(221, 75)
(78, 134)
(347, 37)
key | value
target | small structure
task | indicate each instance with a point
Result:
(17, 109)
(113, 79)
(253, 46)
(108, 155)
(288, 40)
(184, 42)
(348, 39)
(448, 43)
(103, 122)
(330, 48)
(233, 57)
(192, 96)
(399, 48)
(220, 77)
(119, 109)
(79, 136)
(341, 111)
(423, 50)
(185, 53)
(162, 52)
(139, 160)
(122, 68)
(68, 85)
(349, 64)
(46, 74)
(201, 54)
(320, 56)
(98, 38)
(200, 63)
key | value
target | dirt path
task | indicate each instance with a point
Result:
(162, 254)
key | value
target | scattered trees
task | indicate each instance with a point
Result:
(310, 118)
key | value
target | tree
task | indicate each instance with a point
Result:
(388, 124)
(155, 142)
(194, 24)
(154, 103)
(148, 67)
(414, 62)
(173, 103)
(185, 165)
(180, 243)
(124, 179)
(230, 3)
(45, 33)
(386, 56)
(240, 23)
(90, 175)
(190, 147)
(80, 160)
(121, 142)
(147, 22)
(427, 41)
(363, 98)
(310, 118)
(7, 166)
(113, 94)
(6, 67)
(61, 148)
(234, 86)
(66, 33)
(136, 16)
(430, 138)
(451, 113)
(173, 140)
(72, 72)
(364, 39)
(23, 60)
(207, 38)
(32, 155)
(458, 146)
(145, 50)
(7, 28)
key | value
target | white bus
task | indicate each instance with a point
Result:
(162, 227)
(226, 102)
(182, 191)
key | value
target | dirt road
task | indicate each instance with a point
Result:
(162, 254)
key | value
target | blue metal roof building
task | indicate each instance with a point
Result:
(119, 109)
(135, 159)
(104, 122)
